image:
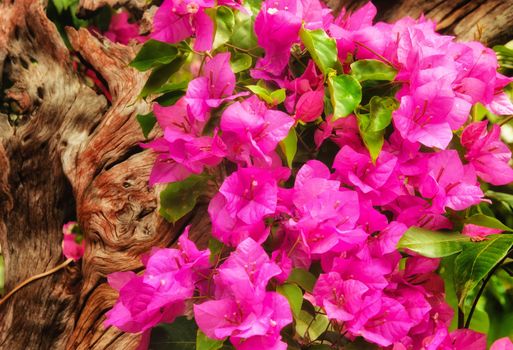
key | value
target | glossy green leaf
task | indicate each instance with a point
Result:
(240, 62)
(179, 198)
(169, 98)
(147, 122)
(304, 279)
(372, 70)
(381, 109)
(181, 334)
(476, 261)
(487, 221)
(278, 96)
(160, 75)
(224, 20)
(322, 48)
(294, 295)
(345, 94)
(62, 5)
(153, 54)
(215, 246)
(270, 97)
(205, 343)
(373, 141)
(311, 327)
(243, 33)
(432, 244)
(289, 146)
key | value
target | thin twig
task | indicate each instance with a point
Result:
(33, 278)
(479, 293)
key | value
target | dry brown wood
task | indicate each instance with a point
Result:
(66, 152)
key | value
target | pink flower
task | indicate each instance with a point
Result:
(181, 155)
(245, 198)
(343, 300)
(73, 243)
(502, 344)
(478, 233)
(487, 153)
(307, 94)
(377, 183)
(160, 294)
(250, 129)
(450, 183)
(243, 309)
(277, 29)
(213, 87)
(175, 21)
(121, 30)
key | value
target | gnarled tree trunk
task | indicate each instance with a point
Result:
(67, 152)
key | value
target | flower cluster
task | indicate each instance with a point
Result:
(339, 210)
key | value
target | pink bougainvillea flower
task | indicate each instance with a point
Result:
(245, 198)
(181, 155)
(121, 30)
(487, 153)
(160, 294)
(277, 29)
(306, 94)
(73, 243)
(213, 87)
(378, 183)
(250, 129)
(388, 326)
(325, 214)
(243, 309)
(478, 233)
(342, 299)
(450, 183)
(175, 21)
(502, 344)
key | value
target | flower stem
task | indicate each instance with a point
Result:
(33, 278)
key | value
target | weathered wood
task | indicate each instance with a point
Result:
(66, 152)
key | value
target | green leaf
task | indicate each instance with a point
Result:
(240, 62)
(311, 327)
(205, 343)
(381, 109)
(289, 146)
(345, 94)
(294, 295)
(322, 48)
(62, 5)
(160, 75)
(147, 122)
(243, 34)
(303, 278)
(169, 98)
(372, 125)
(373, 141)
(179, 198)
(476, 261)
(432, 244)
(487, 221)
(272, 98)
(181, 334)
(153, 54)
(278, 96)
(372, 70)
(224, 23)
(215, 246)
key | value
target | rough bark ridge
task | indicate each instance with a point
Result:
(67, 152)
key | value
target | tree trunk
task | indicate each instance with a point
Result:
(67, 152)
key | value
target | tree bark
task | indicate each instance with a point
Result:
(66, 152)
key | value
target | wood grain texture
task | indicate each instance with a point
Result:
(66, 152)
